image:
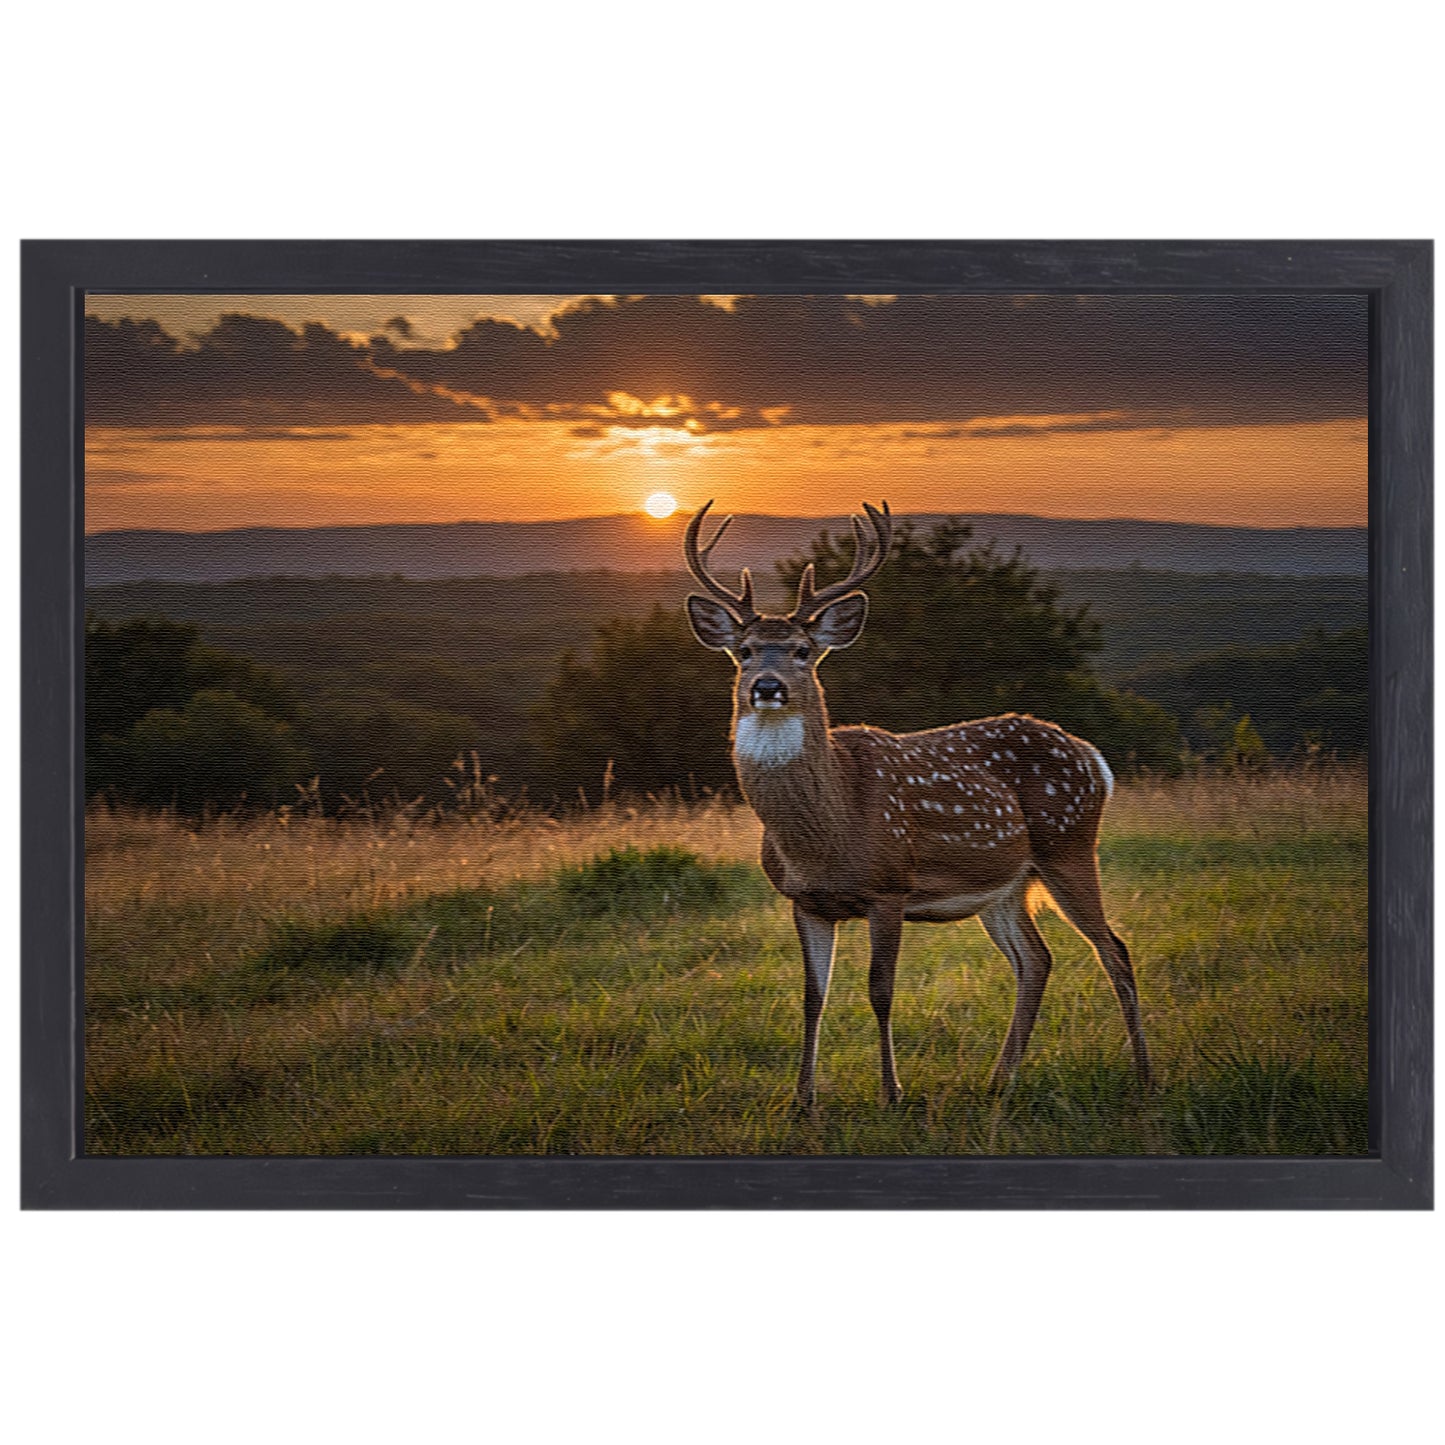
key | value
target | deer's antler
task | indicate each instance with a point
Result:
(870, 551)
(740, 604)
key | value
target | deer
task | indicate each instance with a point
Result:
(989, 819)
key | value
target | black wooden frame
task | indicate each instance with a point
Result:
(1398, 279)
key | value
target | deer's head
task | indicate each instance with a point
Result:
(777, 656)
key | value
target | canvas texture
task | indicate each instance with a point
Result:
(460, 781)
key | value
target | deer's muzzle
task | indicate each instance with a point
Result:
(768, 691)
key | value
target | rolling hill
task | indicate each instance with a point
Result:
(632, 543)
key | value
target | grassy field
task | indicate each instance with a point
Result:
(624, 981)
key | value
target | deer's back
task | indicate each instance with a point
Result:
(1009, 785)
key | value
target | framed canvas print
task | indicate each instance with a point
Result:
(734, 725)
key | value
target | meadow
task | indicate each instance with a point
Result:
(623, 981)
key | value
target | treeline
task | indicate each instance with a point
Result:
(172, 722)
(1238, 703)
(956, 630)
(519, 626)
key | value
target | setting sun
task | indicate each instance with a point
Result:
(660, 505)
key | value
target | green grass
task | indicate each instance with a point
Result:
(647, 999)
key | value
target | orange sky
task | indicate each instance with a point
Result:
(518, 467)
(1274, 476)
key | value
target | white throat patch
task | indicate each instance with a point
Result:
(768, 741)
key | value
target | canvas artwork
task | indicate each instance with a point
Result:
(726, 724)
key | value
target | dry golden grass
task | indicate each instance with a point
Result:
(263, 865)
(1245, 804)
(270, 861)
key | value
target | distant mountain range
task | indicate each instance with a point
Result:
(630, 543)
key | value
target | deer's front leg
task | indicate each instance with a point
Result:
(817, 935)
(885, 931)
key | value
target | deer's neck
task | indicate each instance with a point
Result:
(793, 776)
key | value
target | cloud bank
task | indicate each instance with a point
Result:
(1001, 366)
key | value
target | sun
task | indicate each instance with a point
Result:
(660, 505)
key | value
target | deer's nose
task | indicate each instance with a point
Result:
(769, 691)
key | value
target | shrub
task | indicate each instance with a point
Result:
(626, 880)
(365, 742)
(218, 749)
(650, 710)
(145, 675)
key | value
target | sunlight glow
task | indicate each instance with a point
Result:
(208, 478)
(660, 505)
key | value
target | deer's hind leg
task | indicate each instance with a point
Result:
(1010, 924)
(1073, 882)
(885, 932)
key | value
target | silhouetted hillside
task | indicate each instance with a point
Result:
(631, 543)
(522, 623)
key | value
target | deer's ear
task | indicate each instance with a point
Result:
(712, 624)
(840, 623)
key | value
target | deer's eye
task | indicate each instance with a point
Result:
(801, 654)
(746, 653)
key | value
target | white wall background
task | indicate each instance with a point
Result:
(910, 120)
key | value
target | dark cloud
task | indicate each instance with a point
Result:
(107, 476)
(1072, 363)
(1044, 425)
(247, 372)
(401, 325)
(251, 434)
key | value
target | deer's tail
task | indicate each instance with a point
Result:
(1101, 770)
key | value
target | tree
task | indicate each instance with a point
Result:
(953, 632)
(133, 667)
(958, 631)
(218, 749)
(146, 665)
(363, 742)
(1131, 731)
(650, 704)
